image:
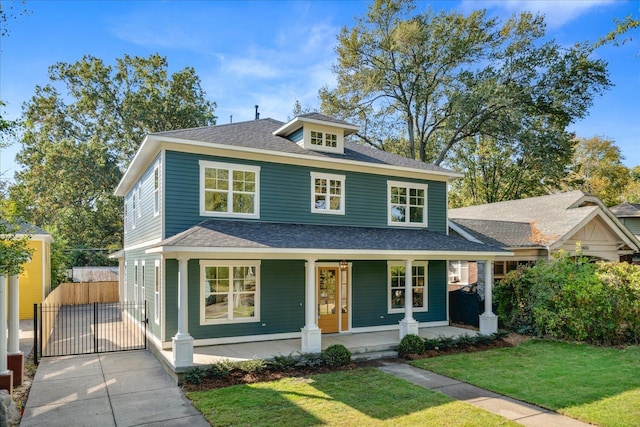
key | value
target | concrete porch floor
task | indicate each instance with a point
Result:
(366, 345)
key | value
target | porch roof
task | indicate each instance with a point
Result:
(226, 236)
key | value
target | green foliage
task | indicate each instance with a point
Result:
(336, 355)
(573, 299)
(14, 249)
(194, 375)
(81, 130)
(410, 344)
(309, 360)
(282, 363)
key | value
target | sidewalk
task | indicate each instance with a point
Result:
(515, 410)
(110, 389)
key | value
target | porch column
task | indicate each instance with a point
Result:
(488, 320)
(182, 341)
(408, 325)
(6, 376)
(15, 358)
(311, 334)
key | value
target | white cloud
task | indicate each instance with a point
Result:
(557, 13)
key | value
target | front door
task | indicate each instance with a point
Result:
(332, 299)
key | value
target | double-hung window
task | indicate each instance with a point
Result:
(407, 204)
(135, 283)
(143, 293)
(134, 208)
(229, 190)
(230, 291)
(327, 193)
(157, 306)
(397, 290)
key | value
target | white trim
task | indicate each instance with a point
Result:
(328, 177)
(399, 263)
(396, 327)
(143, 286)
(300, 253)
(156, 204)
(139, 192)
(143, 244)
(240, 339)
(408, 186)
(157, 291)
(298, 122)
(136, 280)
(230, 167)
(231, 264)
(162, 198)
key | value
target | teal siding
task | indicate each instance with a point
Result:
(369, 289)
(149, 289)
(282, 286)
(286, 195)
(147, 226)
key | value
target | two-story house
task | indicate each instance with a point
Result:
(265, 230)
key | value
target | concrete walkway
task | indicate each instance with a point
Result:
(515, 410)
(109, 389)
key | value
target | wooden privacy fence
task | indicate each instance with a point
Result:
(83, 293)
(72, 294)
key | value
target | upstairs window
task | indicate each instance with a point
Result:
(156, 190)
(327, 193)
(126, 216)
(407, 204)
(229, 190)
(139, 192)
(324, 139)
(134, 208)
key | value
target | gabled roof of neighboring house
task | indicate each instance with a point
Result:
(232, 236)
(536, 221)
(257, 136)
(36, 233)
(626, 210)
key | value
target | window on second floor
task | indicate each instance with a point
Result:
(134, 208)
(229, 190)
(407, 204)
(156, 190)
(324, 139)
(327, 193)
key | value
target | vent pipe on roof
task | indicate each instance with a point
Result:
(231, 118)
(257, 114)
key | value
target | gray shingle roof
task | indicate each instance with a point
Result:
(258, 134)
(260, 235)
(625, 210)
(498, 233)
(29, 229)
(322, 117)
(554, 216)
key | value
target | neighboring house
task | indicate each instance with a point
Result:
(35, 280)
(536, 227)
(266, 230)
(93, 274)
(629, 215)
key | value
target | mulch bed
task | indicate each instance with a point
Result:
(237, 377)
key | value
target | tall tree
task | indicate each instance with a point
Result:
(82, 129)
(597, 169)
(440, 79)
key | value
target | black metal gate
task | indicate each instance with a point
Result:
(61, 330)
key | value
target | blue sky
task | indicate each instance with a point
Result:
(272, 53)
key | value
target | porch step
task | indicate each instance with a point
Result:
(375, 355)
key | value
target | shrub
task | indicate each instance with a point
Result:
(447, 342)
(432, 344)
(336, 355)
(309, 360)
(464, 341)
(410, 344)
(194, 375)
(282, 363)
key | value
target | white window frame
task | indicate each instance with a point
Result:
(126, 216)
(328, 177)
(408, 186)
(323, 140)
(139, 191)
(143, 279)
(230, 264)
(157, 291)
(230, 167)
(425, 286)
(459, 269)
(126, 282)
(135, 283)
(134, 208)
(156, 189)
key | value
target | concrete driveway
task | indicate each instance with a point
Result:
(110, 389)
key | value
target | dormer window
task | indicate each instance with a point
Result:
(324, 139)
(317, 132)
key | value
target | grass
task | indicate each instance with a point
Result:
(594, 384)
(359, 397)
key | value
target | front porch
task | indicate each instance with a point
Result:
(366, 345)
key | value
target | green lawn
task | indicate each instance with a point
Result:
(594, 384)
(360, 397)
